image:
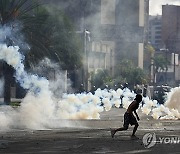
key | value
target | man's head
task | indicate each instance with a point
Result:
(138, 98)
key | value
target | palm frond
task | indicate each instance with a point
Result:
(12, 9)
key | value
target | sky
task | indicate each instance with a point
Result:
(155, 6)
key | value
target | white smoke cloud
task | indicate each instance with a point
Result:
(155, 6)
(58, 81)
(40, 110)
(173, 99)
(5, 32)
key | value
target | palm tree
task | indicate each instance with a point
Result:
(58, 39)
(160, 63)
(12, 11)
(48, 35)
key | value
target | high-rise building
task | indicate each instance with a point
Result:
(171, 27)
(125, 26)
(155, 32)
(170, 33)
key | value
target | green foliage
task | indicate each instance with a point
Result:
(48, 34)
(149, 49)
(11, 10)
(127, 71)
(10, 13)
(101, 78)
(119, 81)
(148, 53)
(65, 42)
(15, 104)
(54, 37)
(160, 63)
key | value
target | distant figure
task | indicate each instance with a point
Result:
(129, 117)
(138, 89)
(125, 85)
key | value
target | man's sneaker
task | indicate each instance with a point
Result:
(112, 133)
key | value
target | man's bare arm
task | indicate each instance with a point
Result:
(136, 115)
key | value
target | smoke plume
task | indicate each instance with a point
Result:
(41, 108)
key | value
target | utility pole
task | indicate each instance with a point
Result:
(166, 50)
(174, 57)
(65, 74)
(86, 36)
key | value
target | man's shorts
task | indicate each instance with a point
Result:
(129, 119)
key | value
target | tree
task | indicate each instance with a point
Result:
(48, 35)
(160, 63)
(131, 74)
(126, 72)
(100, 79)
(10, 11)
(60, 42)
(148, 54)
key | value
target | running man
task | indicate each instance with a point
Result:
(129, 117)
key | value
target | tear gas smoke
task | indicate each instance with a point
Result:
(40, 108)
(173, 98)
(55, 75)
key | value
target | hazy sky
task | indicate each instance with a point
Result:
(156, 5)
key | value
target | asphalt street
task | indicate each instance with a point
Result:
(93, 136)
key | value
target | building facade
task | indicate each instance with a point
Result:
(171, 27)
(117, 30)
(171, 40)
(155, 32)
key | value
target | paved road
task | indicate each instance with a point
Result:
(92, 136)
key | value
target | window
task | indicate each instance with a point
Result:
(158, 37)
(157, 23)
(104, 47)
(157, 28)
(96, 46)
(157, 41)
(158, 32)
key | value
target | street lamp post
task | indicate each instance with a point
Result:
(174, 60)
(166, 50)
(86, 35)
(65, 74)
